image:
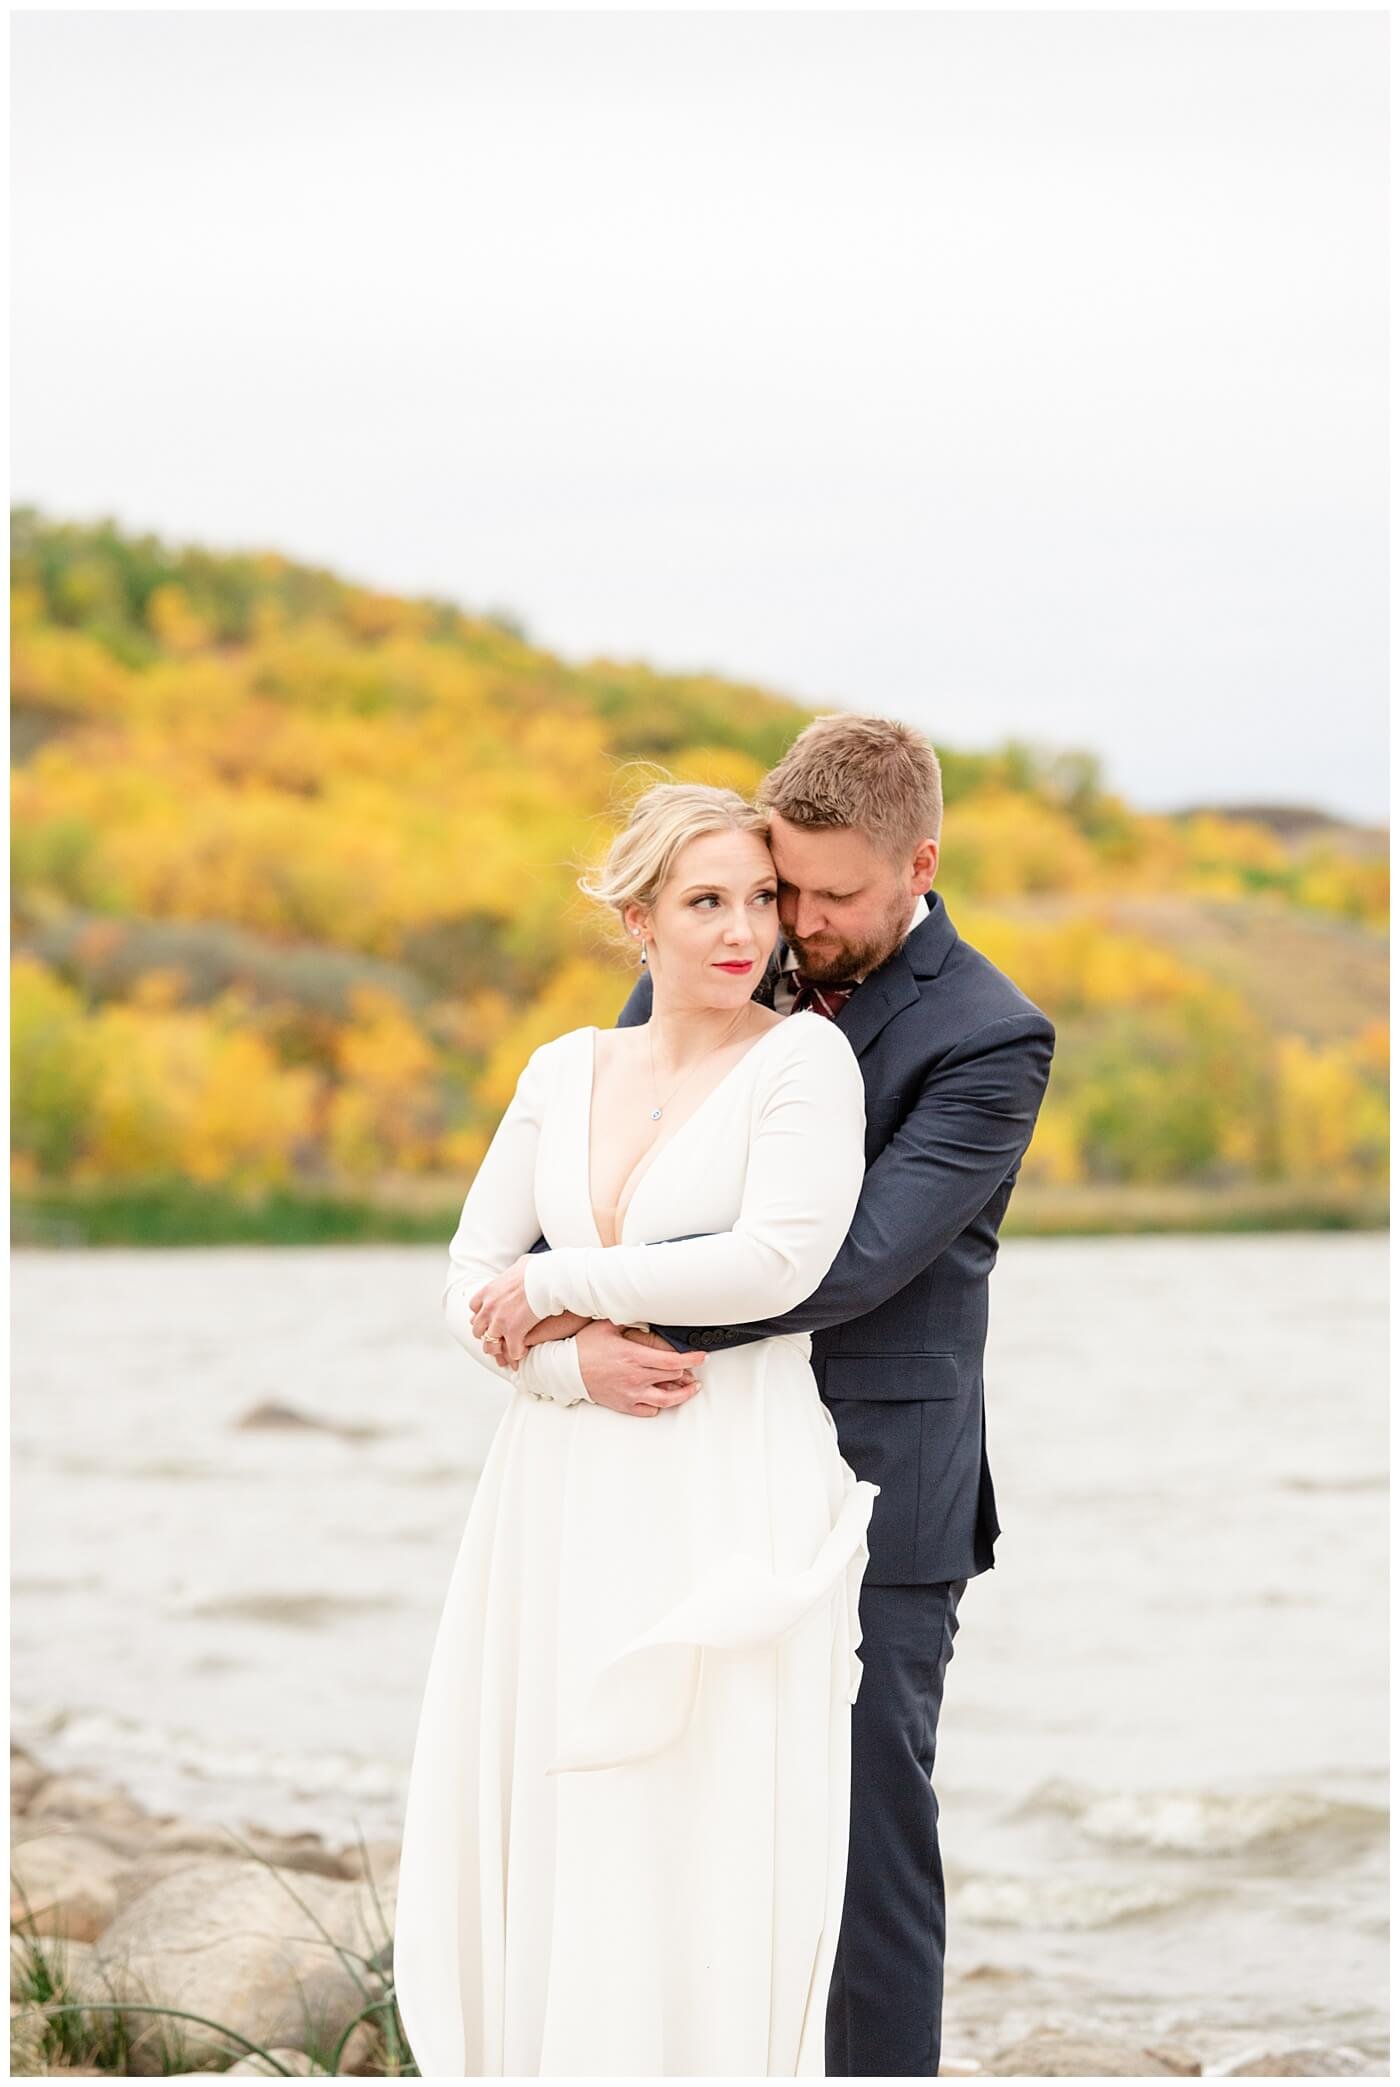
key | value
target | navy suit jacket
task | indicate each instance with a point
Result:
(955, 1060)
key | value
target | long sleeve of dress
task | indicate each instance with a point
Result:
(805, 1168)
(498, 1224)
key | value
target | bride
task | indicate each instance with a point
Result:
(625, 1829)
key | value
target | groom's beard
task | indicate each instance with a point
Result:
(825, 961)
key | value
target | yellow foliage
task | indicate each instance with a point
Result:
(171, 617)
(1243, 1143)
(28, 606)
(164, 986)
(53, 1069)
(352, 1142)
(462, 1151)
(67, 670)
(188, 1092)
(371, 615)
(1332, 1123)
(340, 779)
(578, 993)
(385, 1114)
(1355, 889)
(382, 1047)
(1000, 843)
(269, 617)
(1079, 965)
(476, 1024)
(1213, 842)
(1053, 1155)
(247, 1115)
(1371, 1047)
(723, 767)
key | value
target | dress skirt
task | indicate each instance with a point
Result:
(625, 1831)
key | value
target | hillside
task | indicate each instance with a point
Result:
(293, 897)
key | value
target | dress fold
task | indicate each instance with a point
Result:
(643, 1698)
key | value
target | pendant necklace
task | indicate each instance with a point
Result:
(651, 1054)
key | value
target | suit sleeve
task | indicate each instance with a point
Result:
(497, 1225)
(806, 1158)
(965, 1134)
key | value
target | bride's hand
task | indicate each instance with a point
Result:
(502, 1314)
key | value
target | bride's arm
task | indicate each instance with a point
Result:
(498, 1224)
(806, 1162)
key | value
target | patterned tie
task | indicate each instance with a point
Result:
(822, 996)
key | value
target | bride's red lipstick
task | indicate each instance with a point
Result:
(736, 967)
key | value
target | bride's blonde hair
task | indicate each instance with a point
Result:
(659, 824)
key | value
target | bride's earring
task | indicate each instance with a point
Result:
(637, 931)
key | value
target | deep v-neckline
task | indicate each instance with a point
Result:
(648, 1159)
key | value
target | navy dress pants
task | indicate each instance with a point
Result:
(885, 2012)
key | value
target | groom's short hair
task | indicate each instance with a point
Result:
(872, 773)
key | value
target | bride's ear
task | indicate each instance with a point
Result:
(635, 922)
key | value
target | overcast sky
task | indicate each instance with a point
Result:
(1013, 374)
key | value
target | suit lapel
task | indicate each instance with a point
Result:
(895, 984)
(877, 1001)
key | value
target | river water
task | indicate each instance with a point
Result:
(1162, 1763)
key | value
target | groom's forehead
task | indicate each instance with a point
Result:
(819, 859)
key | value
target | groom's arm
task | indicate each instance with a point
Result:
(967, 1131)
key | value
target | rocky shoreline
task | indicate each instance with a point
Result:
(146, 1944)
(272, 1951)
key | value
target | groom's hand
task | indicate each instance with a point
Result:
(635, 1372)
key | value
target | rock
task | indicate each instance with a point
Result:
(229, 1941)
(289, 1851)
(26, 1776)
(66, 1961)
(299, 1851)
(1066, 2054)
(270, 1413)
(189, 1837)
(63, 1884)
(82, 1798)
(28, 2038)
(353, 2059)
(380, 1861)
(1307, 2062)
(21, 1957)
(294, 2061)
(153, 1868)
(363, 2048)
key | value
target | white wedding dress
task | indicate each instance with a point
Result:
(625, 1831)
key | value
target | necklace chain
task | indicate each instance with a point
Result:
(651, 1054)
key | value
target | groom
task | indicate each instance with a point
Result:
(955, 1060)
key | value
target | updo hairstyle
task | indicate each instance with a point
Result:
(659, 824)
